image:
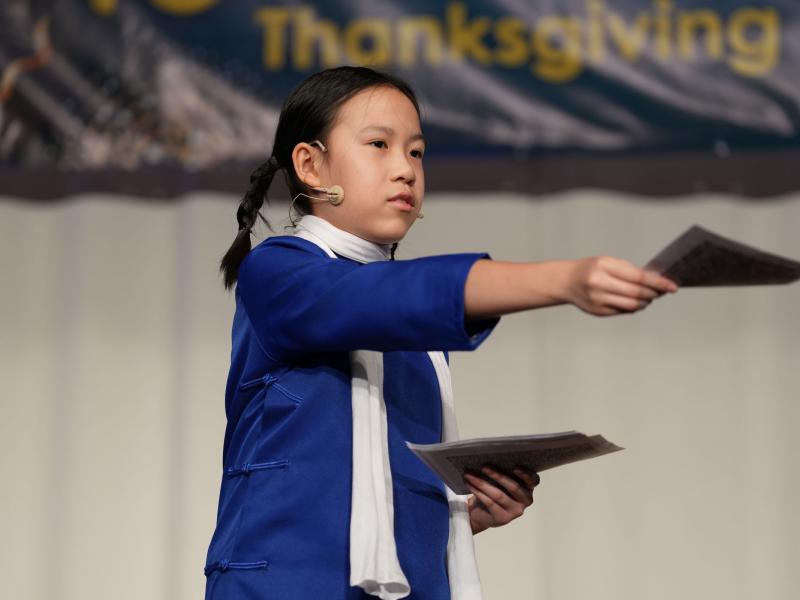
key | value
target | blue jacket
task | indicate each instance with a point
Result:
(283, 518)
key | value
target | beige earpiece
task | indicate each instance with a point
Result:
(335, 194)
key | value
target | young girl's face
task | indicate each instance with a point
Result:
(375, 153)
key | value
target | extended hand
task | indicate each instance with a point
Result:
(492, 506)
(604, 286)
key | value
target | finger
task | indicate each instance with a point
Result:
(620, 303)
(658, 282)
(496, 497)
(604, 311)
(499, 513)
(630, 272)
(479, 495)
(620, 268)
(529, 477)
(512, 486)
(622, 287)
(601, 311)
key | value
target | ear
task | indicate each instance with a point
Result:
(307, 160)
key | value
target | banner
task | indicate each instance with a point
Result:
(165, 96)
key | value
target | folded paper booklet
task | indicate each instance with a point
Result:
(702, 258)
(449, 460)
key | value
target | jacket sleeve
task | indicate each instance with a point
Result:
(300, 301)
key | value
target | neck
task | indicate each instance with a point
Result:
(342, 242)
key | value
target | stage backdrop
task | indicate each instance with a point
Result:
(161, 97)
(114, 349)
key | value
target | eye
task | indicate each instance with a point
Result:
(378, 142)
(417, 153)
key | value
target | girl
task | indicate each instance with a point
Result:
(338, 359)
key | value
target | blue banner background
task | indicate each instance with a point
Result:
(101, 86)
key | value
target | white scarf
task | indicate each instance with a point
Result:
(374, 565)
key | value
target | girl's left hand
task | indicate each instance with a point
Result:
(493, 506)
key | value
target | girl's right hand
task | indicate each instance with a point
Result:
(604, 286)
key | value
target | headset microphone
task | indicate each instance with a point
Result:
(335, 194)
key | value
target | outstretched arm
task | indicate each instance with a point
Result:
(600, 286)
(300, 301)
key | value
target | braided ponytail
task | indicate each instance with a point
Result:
(249, 210)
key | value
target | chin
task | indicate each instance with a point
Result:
(384, 240)
(391, 233)
(395, 235)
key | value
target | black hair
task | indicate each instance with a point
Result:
(308, 114)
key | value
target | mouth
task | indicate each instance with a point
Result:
(404, 200)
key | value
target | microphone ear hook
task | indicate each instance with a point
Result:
(334, 194)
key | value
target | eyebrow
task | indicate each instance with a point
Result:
(390, 131)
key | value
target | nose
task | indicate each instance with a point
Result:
(403, 168)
